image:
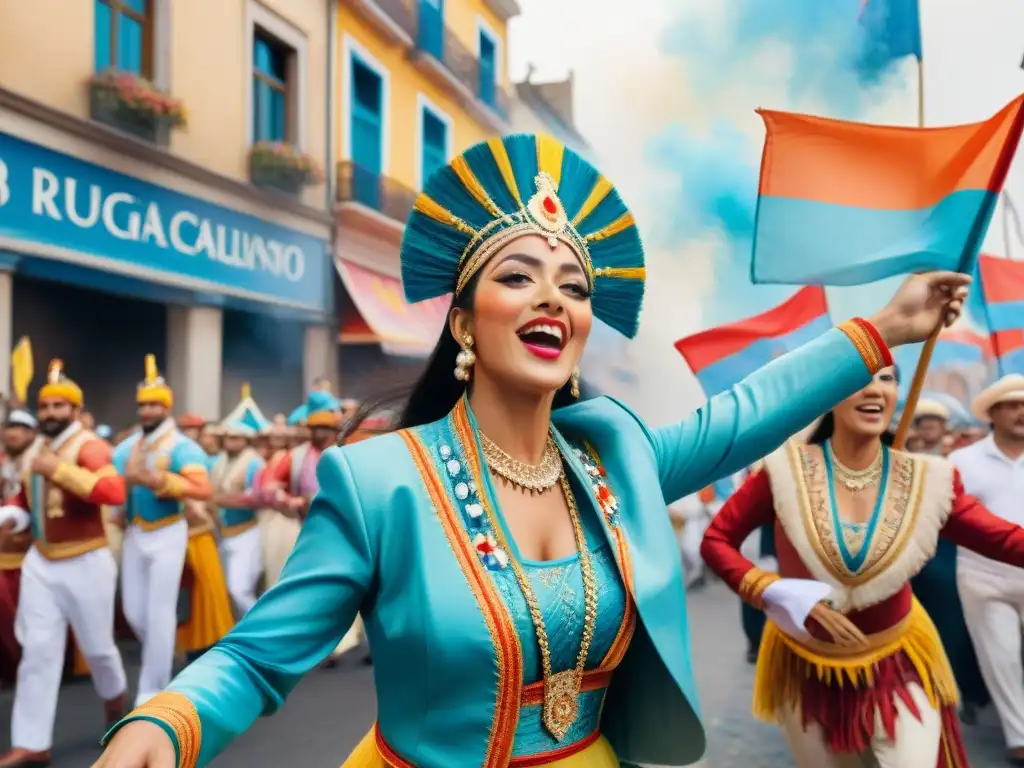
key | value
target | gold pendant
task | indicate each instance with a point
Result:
(561, 702)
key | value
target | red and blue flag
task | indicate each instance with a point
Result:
(722, 357)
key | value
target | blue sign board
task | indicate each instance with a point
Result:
(58, 201)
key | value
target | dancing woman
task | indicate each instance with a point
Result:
(509, 551)
(851, 666)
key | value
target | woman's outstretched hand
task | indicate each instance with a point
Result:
(139, 744)
(920, 305)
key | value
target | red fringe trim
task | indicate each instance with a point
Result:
(846, 714)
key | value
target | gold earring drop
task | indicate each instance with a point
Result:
(465, 359)
(574, 383)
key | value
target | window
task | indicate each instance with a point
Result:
(124, 36)
(270, 88)
(488, 69)
(435, 142)
(367, 133)
(431, 34)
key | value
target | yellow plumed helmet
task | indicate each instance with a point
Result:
(60, 387)
(153, 388)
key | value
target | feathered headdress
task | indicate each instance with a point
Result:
(524, 184)
(59, 386)
(153, 388)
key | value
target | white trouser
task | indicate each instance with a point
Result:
(242, 555)
(690, 539)
(916, 744)
(993, 609)
(78, 591)
(279, 536)
(151, 566)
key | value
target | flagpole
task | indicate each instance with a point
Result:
(914, 394)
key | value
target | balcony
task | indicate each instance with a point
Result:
(439, 54)
(371, 204)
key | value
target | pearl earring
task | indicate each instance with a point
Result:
(465, 359)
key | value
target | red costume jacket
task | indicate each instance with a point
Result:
(67, 520)
(924, 499)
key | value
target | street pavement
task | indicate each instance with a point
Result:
(332, 709)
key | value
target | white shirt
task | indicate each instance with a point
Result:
(998, 482)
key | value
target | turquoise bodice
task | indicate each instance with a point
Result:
(558, 585)
(398, 534)
(165, 449)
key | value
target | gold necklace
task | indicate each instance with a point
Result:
(562, 690)
(856, 480)
(535, 479)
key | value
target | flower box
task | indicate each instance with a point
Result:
(132, 104)
(283, 167)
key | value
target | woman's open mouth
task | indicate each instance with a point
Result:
(872, 410)
(544, 338)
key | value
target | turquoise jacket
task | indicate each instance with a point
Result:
(165, 449)
(386, 538)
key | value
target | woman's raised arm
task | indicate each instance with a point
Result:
(289, 631)
(738, 427)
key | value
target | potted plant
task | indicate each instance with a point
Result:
(131, 103)
(283, 167)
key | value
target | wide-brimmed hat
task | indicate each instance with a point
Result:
(1010, 388)
(933, 408)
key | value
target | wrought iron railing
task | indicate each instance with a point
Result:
(425, 25)
(381, 193)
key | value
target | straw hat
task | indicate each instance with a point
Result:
(1010, 388)
(932, 408)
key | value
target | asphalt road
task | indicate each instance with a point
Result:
(332, 709)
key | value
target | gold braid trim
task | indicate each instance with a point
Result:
(434, 210)
(180, 714)
(784, 664)
(754, 583)
(621, 224)
(865, 344)
(623, 273)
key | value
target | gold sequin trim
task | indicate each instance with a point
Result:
(181, 716)
(754, 583)
(865, 344)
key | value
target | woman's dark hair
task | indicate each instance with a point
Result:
(827, 425)
(437, 390)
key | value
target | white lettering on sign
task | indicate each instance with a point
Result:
(127, 218)
(5, 191)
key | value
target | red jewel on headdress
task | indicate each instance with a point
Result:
(549, 206)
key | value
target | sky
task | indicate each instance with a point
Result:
(666, 94)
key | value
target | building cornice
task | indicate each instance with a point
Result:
(124, 144)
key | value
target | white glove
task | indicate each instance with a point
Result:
(21, 518)
(788, 603)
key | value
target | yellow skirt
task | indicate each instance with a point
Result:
(210, 617)
(598, 755)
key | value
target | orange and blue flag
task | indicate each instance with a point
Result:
(843, 203)
(722, 357)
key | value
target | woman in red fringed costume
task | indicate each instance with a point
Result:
(850, 666)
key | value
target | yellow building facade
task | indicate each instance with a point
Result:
(199, 230)
(419, 81)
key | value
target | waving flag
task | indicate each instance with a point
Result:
(893, 29)
(1010, 348)
(1002, 282)
(844, 203)
(721, 357)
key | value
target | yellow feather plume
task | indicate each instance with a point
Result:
(56, 368)
(151, 372)
(246, 391)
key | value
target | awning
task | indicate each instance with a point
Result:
(383, 316)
